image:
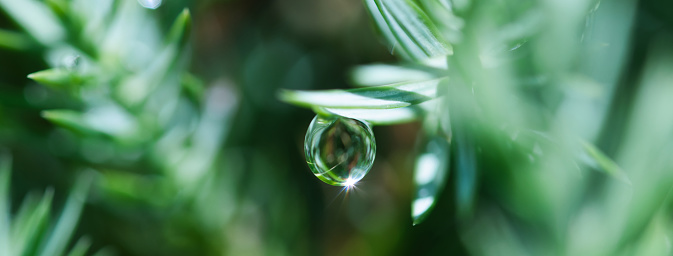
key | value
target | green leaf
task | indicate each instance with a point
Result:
(430, 172)
(193, 87)
(383, 116)
(379, 97)
(383, 74)
(30, 223)
(58, 78)
(406, 26)
(65, 226)
(36, 19)
(15, 41)
(58, 7)
(594, 157)
(70, 119)
(179, 32)
(81, 247)
(5, 174)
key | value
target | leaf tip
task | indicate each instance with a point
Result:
(181, 28)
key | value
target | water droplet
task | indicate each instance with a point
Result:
(71, 62)
(339, 151)
(150, 4)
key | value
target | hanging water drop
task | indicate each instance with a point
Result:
(339, 150)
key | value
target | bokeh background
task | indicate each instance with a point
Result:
(176, 129)
(259, 197)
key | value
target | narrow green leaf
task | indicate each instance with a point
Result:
(30, 223)
(382, 24)
(72, 120)
(104, 252)
(58, 78)
(65, 226)
(596, 158)
(193, 87)
(5, 174)
(379, 97)
(58, 7)
(15, 41)
(406, 26)
(179, 32)
(383, 74)
(81, 247)
(383, 116)
(442, 14)
(135, 90)
(109, 119)
(430, 173)
(36, 19)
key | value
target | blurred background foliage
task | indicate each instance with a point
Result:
(142, 127)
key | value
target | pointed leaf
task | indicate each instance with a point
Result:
(36, 19)
(408, 28)
(15, 41)
(81, 247)
(58, 78)
(379, 97)
(179, 33)
(383, 74)
(383, 116)
(69, 119)
(65, 226)
(30, 223)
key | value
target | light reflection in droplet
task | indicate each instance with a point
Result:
(350, 182)
(150, 4)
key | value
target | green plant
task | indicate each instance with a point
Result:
(518, 94)
(31, 230)
(121, 102)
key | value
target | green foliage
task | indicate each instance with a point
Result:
(408, 27)
(31, 230)
(130, 112)
(529, 93)
(541, 127)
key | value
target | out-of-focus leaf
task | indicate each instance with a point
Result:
(442, 13)
(597, 159)
(81, 247)
(430, 172)
(123, 186)
(5, 169)
(65, 226)
(179, 33)
(193, 87)
(109, 119)
(58, 78)
(383, 74)
(59, 7)
(383, 116)
(69, 119)
(14, 40)
(379, 97)
(466, 168)
(407, 27)
(137, 89)
(36, 19)
(30, 222)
